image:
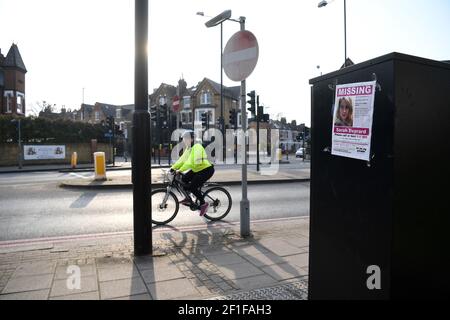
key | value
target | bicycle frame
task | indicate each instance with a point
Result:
(175, 183)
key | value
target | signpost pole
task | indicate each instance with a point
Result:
(245, 204)
(258, 117)
(141, 173)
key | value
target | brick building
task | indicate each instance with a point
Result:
(12, 82)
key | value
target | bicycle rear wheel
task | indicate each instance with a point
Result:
(220, 203)
(163, 213)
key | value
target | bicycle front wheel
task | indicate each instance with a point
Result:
(220, 202)
(163, 211)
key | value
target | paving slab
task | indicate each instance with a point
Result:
(122, 288)
(239, 270)
(279, 247)
(284, 271)
(61, 287)
(28, 283)
(172, 289)
(117, 272)
(35, 268)
(254, 282)
(161, 274)
(264, 259)
(300, 260)
(246, 249)
(226, 259)
(28, 295)
(144, 296)
(94, 295)
(85, 270)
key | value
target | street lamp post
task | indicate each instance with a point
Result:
(323, 3)
(244, 205)
(220, 19)
(141, 173)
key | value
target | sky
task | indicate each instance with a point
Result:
(74, 44)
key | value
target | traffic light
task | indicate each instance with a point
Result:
(204, 120)
(307, 133)
(259, 114)
(252, 102)
(233, 118)
(110, 122)
(163, 116)
(153, 113)
(265, 118)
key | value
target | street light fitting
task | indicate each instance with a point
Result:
(219, 19)
(201, 13)
(322, 3)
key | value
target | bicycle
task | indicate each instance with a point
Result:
(165, 203)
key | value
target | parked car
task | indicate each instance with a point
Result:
(300, 153)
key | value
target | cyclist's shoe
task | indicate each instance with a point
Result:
(185, 201)
(203, 209)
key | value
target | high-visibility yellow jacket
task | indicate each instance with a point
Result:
(193, 158)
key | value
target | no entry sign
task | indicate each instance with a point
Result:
(240, 55)
(176, 104)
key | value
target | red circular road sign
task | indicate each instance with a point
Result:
(240, 55)
(176, 103)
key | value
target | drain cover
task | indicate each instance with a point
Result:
(291, 291)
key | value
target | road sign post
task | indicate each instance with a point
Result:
(141, 174)
(240, 57)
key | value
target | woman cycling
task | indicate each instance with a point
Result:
(196, 169)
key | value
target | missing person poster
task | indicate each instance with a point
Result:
(352, 120)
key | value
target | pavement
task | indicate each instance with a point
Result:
(224, 177)
(209, 261)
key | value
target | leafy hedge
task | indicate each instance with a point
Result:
(43, 130)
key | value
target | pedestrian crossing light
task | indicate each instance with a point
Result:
(252, 102)
(232, 117)
(204, 120)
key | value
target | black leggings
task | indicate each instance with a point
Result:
(195, 181)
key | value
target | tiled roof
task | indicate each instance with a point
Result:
(87, 107)
(14, 59)
(231, 92)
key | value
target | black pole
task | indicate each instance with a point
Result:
(114, 141)
(258, 116)
(304, 137)
(222, 120)
(345, 32)
(159, 129)
(141, 159)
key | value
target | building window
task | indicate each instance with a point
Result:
(118, 113)
(8, 96)
(199, 112)
(186, 117)
(20, 103)
(186, 102)
(97, 116)
(205, 97)
(162, 100)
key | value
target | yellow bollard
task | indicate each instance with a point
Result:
(279, 154)
(73, 160)
(100, 166)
